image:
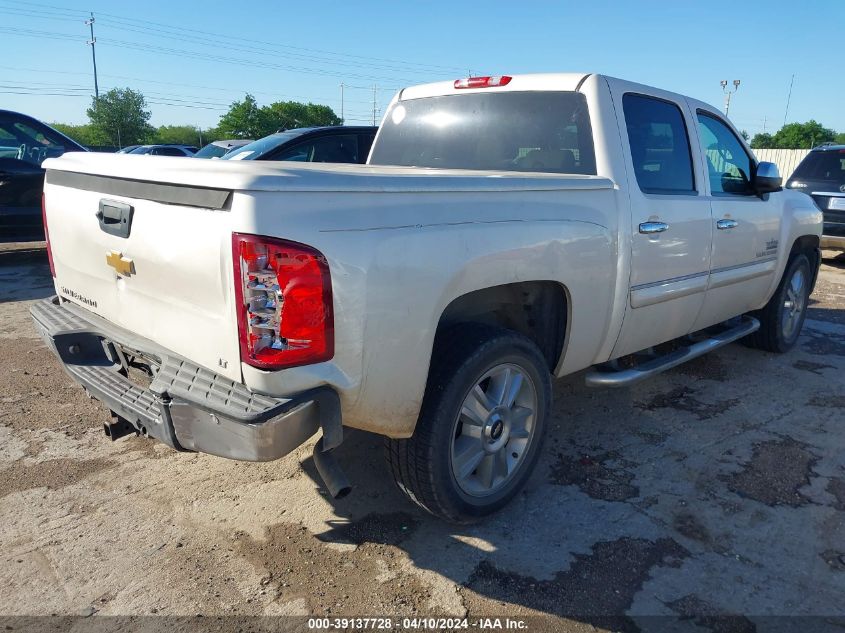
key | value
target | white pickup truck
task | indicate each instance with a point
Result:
(505, 230)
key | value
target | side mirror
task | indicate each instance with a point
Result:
(767, 178)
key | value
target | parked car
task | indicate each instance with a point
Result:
(165, 150)
(535, 226)
(822, 175)
(127, 149)
(337, 144)
(217, 149)
(25, 143)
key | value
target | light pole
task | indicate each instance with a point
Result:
(728, 93)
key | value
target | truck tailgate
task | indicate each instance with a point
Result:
(169, 280)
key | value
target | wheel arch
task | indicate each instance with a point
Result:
(808, 245)
(538, 309)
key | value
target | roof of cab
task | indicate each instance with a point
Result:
(536, 81)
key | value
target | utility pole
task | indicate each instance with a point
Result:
(93, 41)
(375, 88)
(788, 99)
(728, 93)
(342, 119)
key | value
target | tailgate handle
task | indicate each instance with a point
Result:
(115, 217)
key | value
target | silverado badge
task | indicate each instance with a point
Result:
(123, 265)
(771, 249)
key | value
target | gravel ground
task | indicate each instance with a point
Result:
(712, 495)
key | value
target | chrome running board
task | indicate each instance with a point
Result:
(610, 375)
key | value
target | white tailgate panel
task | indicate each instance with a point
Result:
(180, 295)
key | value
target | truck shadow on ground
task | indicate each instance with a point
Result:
(25, 275)
(834, 259)
(650, 500)
(495, 563)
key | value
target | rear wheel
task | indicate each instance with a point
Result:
(782, 318)
(481, 425)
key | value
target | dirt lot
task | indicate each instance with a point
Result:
(715, 489)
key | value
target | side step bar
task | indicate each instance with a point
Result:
(607, 376)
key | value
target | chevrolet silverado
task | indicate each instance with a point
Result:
(506, 230)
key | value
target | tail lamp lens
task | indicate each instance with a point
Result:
(47, 236)
(483, 82)
(284, 301)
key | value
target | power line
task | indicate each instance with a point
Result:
(184, 85)
(270, 52)
(36, 14)
(788, 99)
(182, 53)
(76, 12)
(56, 13)
(36, 88)
(237, 61)
(221, 39)
(221, 36)
(36, 33)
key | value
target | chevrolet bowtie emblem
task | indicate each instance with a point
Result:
(123, 265)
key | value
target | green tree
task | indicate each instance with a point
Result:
(243, 120)
(180, 134)
(744, 134)
(840, 138)
(762, 141)
(121, 117)
(211, 134)
(802, 135)
(84, 134)
(285, 115)
(246, 119)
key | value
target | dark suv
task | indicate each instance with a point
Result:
(822, 175)
(24, 144)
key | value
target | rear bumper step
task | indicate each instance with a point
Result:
(608, 376)
(185, 406)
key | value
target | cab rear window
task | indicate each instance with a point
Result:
(828, 166)
(499, 131)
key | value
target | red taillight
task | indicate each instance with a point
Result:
(47, 237)
(284, 302)
(483, 82)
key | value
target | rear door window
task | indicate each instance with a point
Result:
(168, 151)
(660, 147)
(365, 143)
(337, 148)
(828, 166)
(18, 139)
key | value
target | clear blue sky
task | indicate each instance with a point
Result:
(304, 50)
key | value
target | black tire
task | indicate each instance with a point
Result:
(422, 464)
(772, 336)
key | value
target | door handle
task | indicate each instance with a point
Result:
(115, 218)
(726, 224)
(647, 228)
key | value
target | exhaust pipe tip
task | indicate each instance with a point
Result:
(331, 473)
